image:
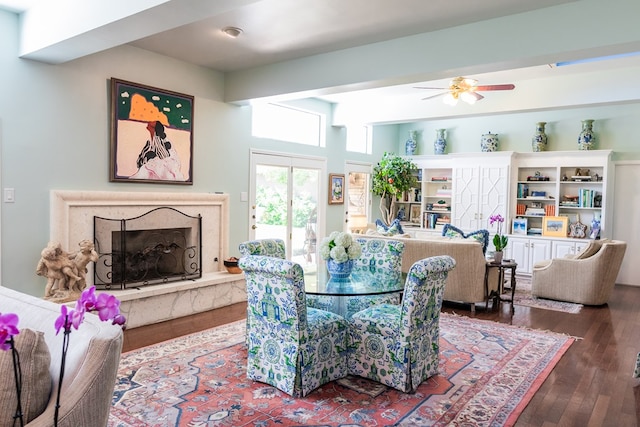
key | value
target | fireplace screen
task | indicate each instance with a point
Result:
(163, 245)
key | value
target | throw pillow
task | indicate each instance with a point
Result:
(36, 380)
(590, 250)
(481, 236)
(393, 229)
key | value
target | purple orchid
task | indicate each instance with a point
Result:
(108, 307)
(499, 241)
(87, 299)
(8, 329)
(68, 319)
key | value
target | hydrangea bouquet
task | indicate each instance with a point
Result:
(108, 308)
(340, 247)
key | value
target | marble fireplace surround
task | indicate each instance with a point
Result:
(71, 220)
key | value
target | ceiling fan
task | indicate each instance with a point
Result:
(465, 89)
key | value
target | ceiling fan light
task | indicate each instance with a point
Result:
(450, 99)
(468, 97)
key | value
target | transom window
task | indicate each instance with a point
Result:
(286, 123)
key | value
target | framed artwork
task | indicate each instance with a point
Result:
(414, 213)
(336, 189)
(519, 226)
(555, 226)
(151, 134)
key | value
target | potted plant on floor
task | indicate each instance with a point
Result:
(392, 176)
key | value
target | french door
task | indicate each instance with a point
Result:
(285, 194)
(358, 201)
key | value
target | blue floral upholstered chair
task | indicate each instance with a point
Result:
(378, 255)
(398, 345)
(268, 247)
(292, 347)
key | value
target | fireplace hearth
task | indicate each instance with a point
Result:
(159, 246)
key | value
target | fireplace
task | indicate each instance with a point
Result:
(160, 246)
(71, 221)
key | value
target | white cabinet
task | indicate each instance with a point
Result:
(527, 252)
(479, 192)
(562, 248)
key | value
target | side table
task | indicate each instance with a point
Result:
(502, 266)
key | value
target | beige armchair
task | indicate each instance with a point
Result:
(588, 278)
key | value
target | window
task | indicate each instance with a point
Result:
(359, 139)
(285, 123)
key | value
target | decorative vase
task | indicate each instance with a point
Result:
(440, 144)
(489, 142)
(339, 270)
(539, 140)
(497, 257)
(411, 144)
(586, 139)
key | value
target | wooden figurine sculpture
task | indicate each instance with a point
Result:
(65, 272)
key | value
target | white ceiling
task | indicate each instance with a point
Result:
(284, 30)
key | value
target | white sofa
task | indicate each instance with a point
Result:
(466, 281)
(91, 364)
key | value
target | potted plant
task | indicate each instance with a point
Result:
(392, 176)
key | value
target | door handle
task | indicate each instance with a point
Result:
(253, 227)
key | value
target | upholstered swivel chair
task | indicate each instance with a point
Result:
(587, 278)
(268, 247)
(292, 347)
(378, 255)
(398, 345)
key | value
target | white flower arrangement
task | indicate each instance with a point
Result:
(340, 247)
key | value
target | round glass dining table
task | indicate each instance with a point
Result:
(362, 282)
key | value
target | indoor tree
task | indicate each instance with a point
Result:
(392, 176)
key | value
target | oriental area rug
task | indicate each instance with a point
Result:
(524, 298)
(488, 373)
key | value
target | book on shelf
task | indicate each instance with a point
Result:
(535, 211)
(440, 179)
(523, 191)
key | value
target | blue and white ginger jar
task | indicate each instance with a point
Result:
(489, 142)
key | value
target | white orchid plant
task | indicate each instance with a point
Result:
(340, 246)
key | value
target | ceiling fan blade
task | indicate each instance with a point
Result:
(495, 87)
(434, 96)
(433, 88)
(476, 95)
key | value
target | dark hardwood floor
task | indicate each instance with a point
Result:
(592, 385)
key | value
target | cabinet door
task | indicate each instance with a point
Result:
(479, 193)
(519, 252)
(492, 200)
(562, 249)
(540, 250)
(466, 189)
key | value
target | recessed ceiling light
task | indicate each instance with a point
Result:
(232, 32)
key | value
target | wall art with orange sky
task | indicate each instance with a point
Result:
(151, 134)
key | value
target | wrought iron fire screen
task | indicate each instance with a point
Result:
(162, 245)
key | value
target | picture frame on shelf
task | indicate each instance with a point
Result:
(414, 213)
(555, 226)
(519, 226)
(336, 188)
(151, 134)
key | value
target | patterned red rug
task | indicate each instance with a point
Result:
(488, 373)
